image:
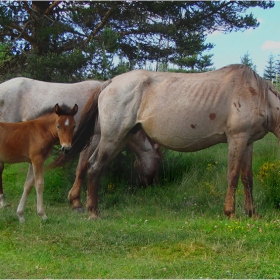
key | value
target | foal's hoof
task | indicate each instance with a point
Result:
(5, 205)
(78, 210)
(93, 217)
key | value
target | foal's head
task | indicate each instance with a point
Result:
(65, 125)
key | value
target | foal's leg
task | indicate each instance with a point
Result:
(247, 180)
(38, 167)
(236, 148)
(74, 195)
(2, 199)
(29, 183)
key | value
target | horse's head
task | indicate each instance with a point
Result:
(65, 126)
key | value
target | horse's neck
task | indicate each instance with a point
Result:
(274, 113)
(46, 124)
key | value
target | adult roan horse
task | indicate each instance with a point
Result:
(32, 141)
(21, 99)
(184, 112)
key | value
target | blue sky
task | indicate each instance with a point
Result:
(259, 42)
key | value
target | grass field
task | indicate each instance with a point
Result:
(174, 230)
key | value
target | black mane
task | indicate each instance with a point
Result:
(49, 110)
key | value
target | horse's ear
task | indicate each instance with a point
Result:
(74, 110)
(57, 109)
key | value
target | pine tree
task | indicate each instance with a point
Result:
(270, 70)
(246, 60)
(277, 68)
(277, 65)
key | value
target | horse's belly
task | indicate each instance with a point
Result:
(188, 143)
(182, 136)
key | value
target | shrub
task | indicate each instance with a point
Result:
(269, 177)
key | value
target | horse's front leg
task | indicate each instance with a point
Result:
(247, 180)
(74, 195)
(3, 202)
(94, 172)
(236, 149)
(102, 156)
(29, 183)
(38, 167)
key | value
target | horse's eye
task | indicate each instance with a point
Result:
(74, 127)
(58, 127)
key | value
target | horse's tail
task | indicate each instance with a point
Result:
(85, 129)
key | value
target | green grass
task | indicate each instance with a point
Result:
(174, 230)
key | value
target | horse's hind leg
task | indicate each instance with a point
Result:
(74, 195)
(29, 183)
(247, 180)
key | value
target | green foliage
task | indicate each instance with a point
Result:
(110, 40)
(137, 32)
(269, 176)
(5, 52)
(66, 67)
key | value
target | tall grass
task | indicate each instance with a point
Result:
(174, 230)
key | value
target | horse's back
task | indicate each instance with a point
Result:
(23, 98)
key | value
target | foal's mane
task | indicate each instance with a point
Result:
(66, 110)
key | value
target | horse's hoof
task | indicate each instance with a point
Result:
(78, 210)
(21, 219)
(256, 216)
(44, 217)
(232, 216)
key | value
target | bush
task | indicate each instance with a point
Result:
(269, 177)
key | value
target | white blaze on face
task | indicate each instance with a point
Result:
(67, 122)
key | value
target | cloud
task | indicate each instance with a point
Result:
(270, 45)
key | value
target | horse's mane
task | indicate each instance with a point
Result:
(249, 74)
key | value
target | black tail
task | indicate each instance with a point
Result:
(85, 129)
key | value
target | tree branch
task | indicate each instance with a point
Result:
(51, 7)
(100, 25)
(23, 34)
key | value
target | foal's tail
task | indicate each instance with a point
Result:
(85, 129)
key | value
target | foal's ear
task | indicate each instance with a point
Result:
(57, 109)
(74, 110)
